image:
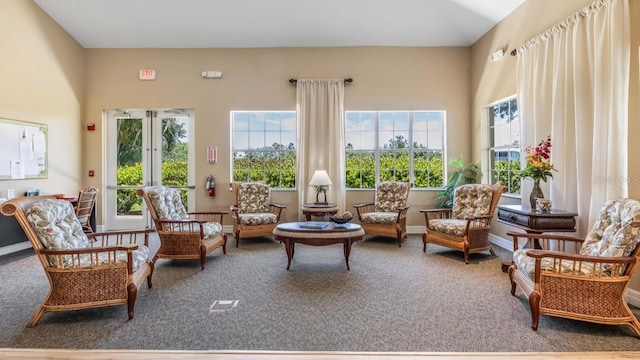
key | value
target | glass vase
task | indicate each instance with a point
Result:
(536, 193)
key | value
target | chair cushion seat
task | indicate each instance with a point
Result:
(376, 217)
(211, 229)
(140, 257)
(454, 227)
(527, 265)
(257, 219)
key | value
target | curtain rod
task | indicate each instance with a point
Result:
(596, 5)
(347, 80)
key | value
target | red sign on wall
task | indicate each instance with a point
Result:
(147, 74)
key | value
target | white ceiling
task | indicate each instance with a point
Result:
(276, 23)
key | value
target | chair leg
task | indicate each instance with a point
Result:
(237, 236)
(152, 265)
(203, 255)
(424, 242)
(634, 323)
(224, 243)
(492, 252)
(534, 304)
(466, 253)
(36, 317)
(512, 268)
(132, 293)
(399, 236)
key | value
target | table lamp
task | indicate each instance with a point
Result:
(320, 182)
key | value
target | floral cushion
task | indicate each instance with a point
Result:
(471, 200)
(168, 205)
(257, 219)
(609, 235)
(454, 227)
(253, 197)
(527, 264)
(57, 227)
(386, 218)
(391, 195)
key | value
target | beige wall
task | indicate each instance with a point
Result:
(42, 81)
(257, 79)
(493, 81)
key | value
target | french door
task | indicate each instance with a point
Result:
(145, 147)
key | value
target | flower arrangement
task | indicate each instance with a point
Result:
(539, 164)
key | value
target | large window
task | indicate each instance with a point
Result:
(264, 147)
(504, 145)
(394, 146)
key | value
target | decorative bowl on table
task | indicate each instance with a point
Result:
(343, 218)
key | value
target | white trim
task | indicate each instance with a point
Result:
(4, 250)
(502, 242)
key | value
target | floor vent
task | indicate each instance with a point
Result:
(223, 305)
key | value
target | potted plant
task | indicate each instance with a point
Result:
(463, 174)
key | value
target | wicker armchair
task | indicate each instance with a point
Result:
(253, 214)
(86, 201)
(466, 225)
(585, 279)
(84, 271)
(183, 235)
(387, 215)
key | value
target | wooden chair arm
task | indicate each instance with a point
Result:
(206, 215)
(362, 209)
(567, 265)
(433, 214)
(363, 205)
(435, 210)
(89, 250)
(539, 254)
(221, 212)
(545, 241)
(278, 206)
(185, 221)
(121, 237)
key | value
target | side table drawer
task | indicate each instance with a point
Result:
(513, 217)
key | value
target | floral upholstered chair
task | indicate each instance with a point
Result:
(84, 270)
(587, 279)
(466, 225)
(253, 214)
(183, 235)
(387, 215)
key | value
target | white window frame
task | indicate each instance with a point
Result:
(262, 124)
(512, 147)
(376, 147)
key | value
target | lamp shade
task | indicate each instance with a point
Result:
(320, 178)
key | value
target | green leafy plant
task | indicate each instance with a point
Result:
(463, 174)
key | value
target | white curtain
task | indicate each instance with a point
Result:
(573, 83)
(320, 108)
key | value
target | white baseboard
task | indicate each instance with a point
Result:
(14, 247)
(633, 296)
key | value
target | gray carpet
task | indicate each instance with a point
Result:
(393, 299)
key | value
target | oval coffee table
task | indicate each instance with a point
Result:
(317, 233)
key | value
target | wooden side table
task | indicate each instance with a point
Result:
(534, 222)
(319, 210)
